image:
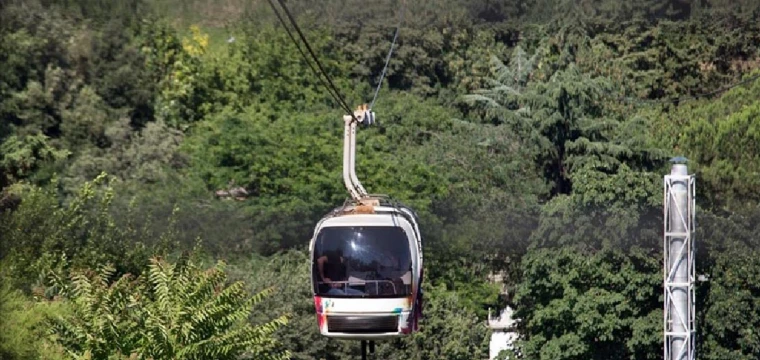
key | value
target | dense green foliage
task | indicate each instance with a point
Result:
(531, 136)
(29, 321)
(176, 311)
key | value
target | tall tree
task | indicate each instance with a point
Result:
(565, 116)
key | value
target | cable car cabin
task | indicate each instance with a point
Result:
(366, 270)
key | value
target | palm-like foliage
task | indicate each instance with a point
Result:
(176, 311)
(500, 100)
(563, 119)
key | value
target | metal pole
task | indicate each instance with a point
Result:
(352, 168)
(678, 264)
(347, 159)
(351, 181)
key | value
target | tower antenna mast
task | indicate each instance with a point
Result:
(678, 264)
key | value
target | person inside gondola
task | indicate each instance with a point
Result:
(333, 272)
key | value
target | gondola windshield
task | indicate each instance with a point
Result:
(362, 261)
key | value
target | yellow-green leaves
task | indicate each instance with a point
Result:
(174, 311)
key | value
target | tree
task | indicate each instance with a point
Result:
(576, 304)
(720, 138)
(85, 231)
(174, 311)
(565, 117)
(29, 321)
(727, 305)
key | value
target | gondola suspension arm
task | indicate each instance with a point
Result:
(364, 116)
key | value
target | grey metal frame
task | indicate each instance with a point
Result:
(678, 265)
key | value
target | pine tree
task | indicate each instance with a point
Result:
(564, 118)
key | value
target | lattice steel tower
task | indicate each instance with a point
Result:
(679, 263)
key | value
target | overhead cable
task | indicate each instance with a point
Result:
(390, 51)
(331, 85)
(330, 90)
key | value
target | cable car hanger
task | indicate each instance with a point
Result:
(362, 115)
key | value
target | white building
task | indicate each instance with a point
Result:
(504, 333)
